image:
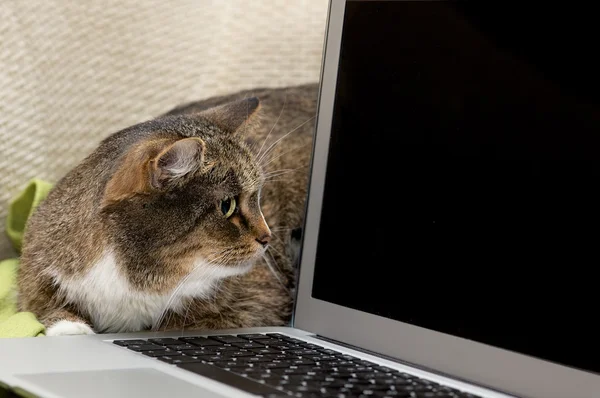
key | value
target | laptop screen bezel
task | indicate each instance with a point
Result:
(482, 364)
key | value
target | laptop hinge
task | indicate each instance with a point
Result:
(355, 348)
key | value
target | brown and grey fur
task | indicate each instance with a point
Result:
(122, 196)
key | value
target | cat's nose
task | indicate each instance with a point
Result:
(264, 239)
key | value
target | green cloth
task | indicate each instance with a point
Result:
(12, 322)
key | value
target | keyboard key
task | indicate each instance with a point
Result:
(220, 348)
(264, 351)
(229, 364)
(306, 378)
(241, 353)
(168, 359)
(248, 371)
(328, 351)
(385, 369)
(302, 361)
(195, 352)
(379, 387)
(210, 358)
(228, 339)
(269, 342)
(307, 389)
(165, 341)
(254, 336)
(303, 352)
(319, 358)
(145, 347)
(289, 371)
(310, 346)
(279, 347)
(200, 341)
(362, 362)
(287, 338)
(247, 345)
(276, 356)
(130, 342)
(253, 359)
(181, 347)
(264, 376)
(271, 365)
(161, 353)
(276, 335)
(185, 359)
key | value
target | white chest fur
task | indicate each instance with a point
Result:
(115, 306)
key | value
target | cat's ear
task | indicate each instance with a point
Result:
(155, 166)
(234, 116)
(176, 161)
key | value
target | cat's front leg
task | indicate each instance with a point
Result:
(38, 295)
(64, 323)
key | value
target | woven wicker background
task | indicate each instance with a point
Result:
(72, 72)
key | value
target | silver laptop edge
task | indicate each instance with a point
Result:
(446, 359)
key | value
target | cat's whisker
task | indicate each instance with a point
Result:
(211, 270)
(218, 287)
(274, 124)
(278, 173)
(164, 311)
(219, 282)
(273, 271)
(169, 301)
(278, 170)
(225, 255)
(276, 236)
(270, 160)
(179, 286)
(188, 306)
(276, 180)
(276, 251)
(280, 228)
(270, 148)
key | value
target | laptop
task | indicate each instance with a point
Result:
(450, 233)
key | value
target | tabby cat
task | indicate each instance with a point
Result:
(185, 221)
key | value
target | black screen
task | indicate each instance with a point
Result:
(462, 187)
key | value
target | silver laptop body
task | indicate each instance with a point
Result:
(92, 366)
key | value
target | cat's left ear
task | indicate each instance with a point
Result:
(235, 116)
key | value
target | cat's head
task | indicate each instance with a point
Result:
(186, 191)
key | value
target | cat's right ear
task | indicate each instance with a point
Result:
(234, 116)
(155, 166)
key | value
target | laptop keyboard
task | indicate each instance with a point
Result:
(275, 365)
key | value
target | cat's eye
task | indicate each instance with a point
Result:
(228, 207)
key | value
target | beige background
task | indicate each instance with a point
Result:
(72, 72)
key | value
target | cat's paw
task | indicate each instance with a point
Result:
(68, 328)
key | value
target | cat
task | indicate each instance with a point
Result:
(187, 221)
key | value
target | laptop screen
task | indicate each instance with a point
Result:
(462, 187)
